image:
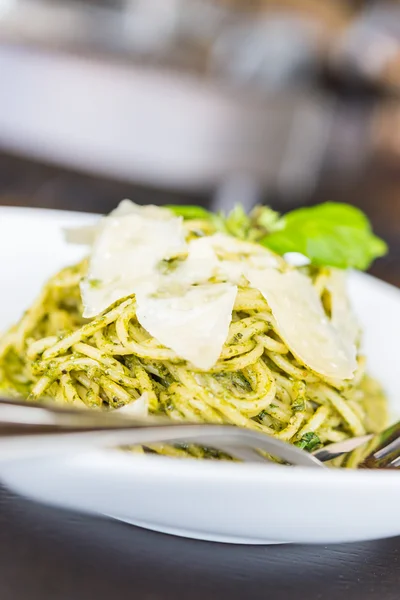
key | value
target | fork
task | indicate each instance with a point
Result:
(35, 429)
(374, 451)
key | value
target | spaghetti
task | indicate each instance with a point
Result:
(110, 361)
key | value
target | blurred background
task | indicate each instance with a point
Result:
(287, 102)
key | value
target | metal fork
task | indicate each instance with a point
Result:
(375, 451)
(34, 429)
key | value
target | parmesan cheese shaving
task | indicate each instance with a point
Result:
(125, 256)
(343, 317)
(303, 324)
(194, 325)
(86, 235)
(200, 265)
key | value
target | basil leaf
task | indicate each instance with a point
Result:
(330, 234)
(337, 235)
(190, 212)
(309, 441)
(329, 212)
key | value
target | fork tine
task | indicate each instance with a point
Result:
(383, 451)
(382, 459)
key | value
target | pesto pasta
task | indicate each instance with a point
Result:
(259, 380)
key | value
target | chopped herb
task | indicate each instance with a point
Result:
(299, 402)
(298, 405)
(94, 283)
(309, 441)
(261, 415)
(239, 380)
(167, 266)
(237, 337)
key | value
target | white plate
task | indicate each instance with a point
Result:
(206, 500)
